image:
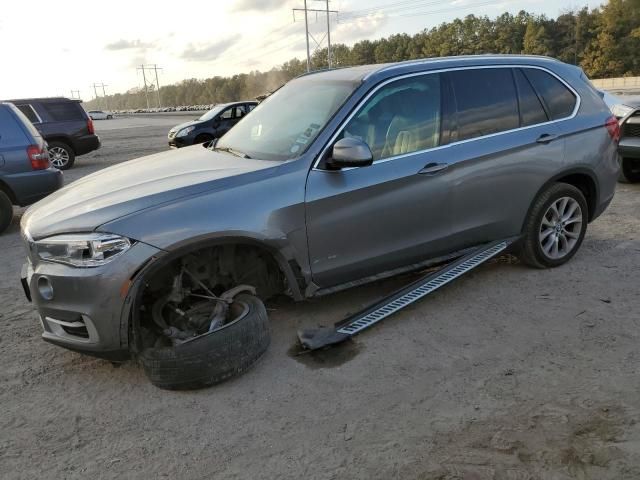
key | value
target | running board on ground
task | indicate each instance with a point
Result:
(314, 339)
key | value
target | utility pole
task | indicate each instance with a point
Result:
(306, 28)
(74, 93)
(328, 36)
(144, 78)
(155, 68)
(306, 11)
(104, 94)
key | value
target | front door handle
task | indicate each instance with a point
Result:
(433, 168)
(546, 138)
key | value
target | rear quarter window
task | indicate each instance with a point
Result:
(558, 99)
(11, 132)
(531, 109)
(64, 111)
(29, 112)
(26, 123)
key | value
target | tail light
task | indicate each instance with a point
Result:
(613, 127)
(90, 126)
(39, 157)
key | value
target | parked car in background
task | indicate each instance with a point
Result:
(64, 125)
(100, 115)
(339, 178)
(25, 173)
(627, 110)
(213, 124)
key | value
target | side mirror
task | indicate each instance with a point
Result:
(350, 152)
(216, 123)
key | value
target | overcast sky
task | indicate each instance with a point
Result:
(50, 47)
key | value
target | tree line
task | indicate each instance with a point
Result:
(604, 41)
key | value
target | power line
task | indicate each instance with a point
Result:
(428, 12)
(410, 4)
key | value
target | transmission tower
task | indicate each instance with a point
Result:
(155, 68)
(327, 35)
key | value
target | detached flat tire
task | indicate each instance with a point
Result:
(212, 357)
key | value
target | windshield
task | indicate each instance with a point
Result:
(212, 113)
(285, 124)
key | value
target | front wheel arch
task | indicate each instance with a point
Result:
(130, 319)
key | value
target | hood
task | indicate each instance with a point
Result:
(179, 127)
(136, 185)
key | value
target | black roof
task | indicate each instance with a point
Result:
(44, 100)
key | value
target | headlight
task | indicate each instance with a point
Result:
(185, 131)
(621, 110)
(82, 249)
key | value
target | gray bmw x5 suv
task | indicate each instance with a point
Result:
(338, 178)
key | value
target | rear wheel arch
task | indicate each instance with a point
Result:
(581, 178)
(7, 190)
(62, 139)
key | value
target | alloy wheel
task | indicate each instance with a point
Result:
(59, 157)
(560, 228)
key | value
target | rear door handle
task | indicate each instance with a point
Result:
(546, 138)
(433, 168)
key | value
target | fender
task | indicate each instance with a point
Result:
(592, 202)
(128, 319)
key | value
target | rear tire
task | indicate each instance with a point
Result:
(629, 170)
(6, 211)
(62, 155)
(212, 357)
(555, 227)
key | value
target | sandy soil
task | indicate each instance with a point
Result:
(507, 374)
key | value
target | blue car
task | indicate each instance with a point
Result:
(26, 175)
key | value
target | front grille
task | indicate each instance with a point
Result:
(631, 130)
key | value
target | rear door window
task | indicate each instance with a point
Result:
(531, 110)
(239, 111)
(558, 99)
(26, 123)
(486, 101)
(29, 112)
(64, 111)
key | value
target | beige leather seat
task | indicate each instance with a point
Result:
(417, 129)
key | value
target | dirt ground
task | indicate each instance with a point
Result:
(507, 374)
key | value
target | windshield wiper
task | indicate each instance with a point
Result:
(232, 151)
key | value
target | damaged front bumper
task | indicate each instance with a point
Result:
(83, 309)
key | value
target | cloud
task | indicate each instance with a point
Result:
(211, 51)
(359, 29)
(262, 5)
(123, 44)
